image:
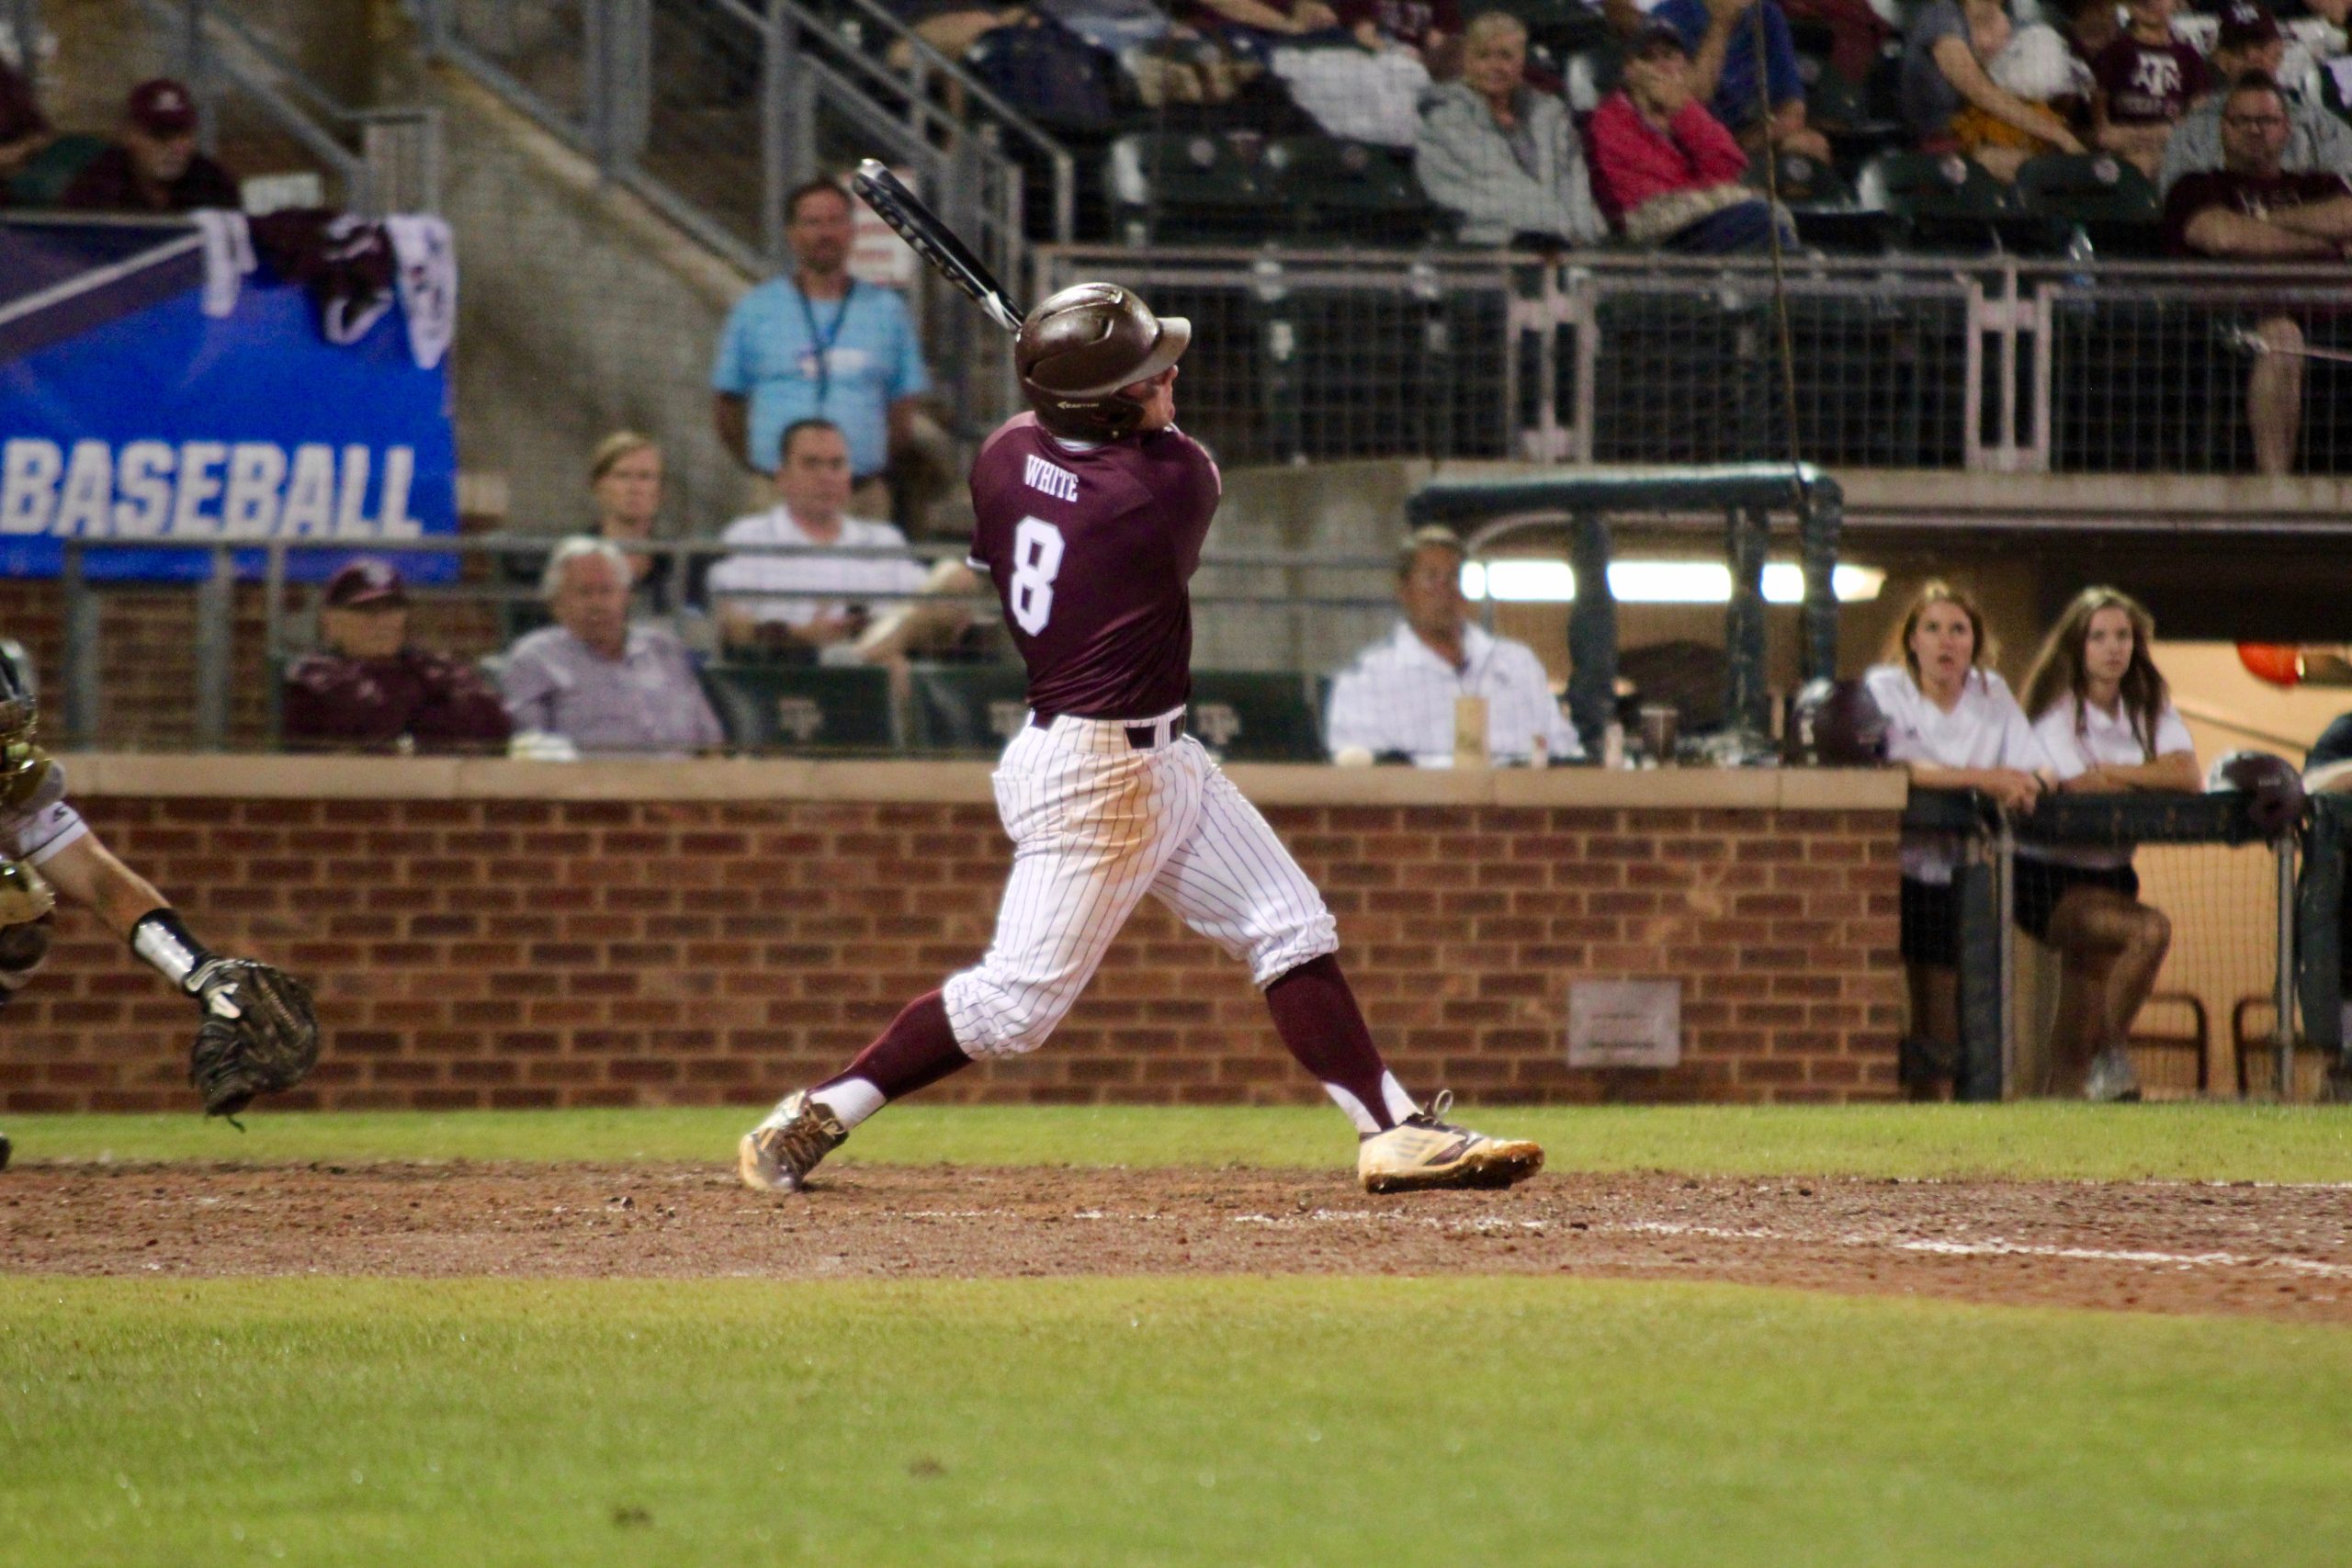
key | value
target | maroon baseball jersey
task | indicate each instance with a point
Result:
(2150, 84)
(2245, 194)
(1091, 548)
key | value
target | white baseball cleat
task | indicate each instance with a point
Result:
(777, 1154)
(2111, 1077)
(1424, 1151)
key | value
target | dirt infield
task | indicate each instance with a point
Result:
(2277, 1252)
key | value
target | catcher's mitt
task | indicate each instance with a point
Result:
(260, 1033)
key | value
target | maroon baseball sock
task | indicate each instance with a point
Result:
(918, 1050)
(1316, 1015)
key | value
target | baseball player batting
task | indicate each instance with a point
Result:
(1091, 511)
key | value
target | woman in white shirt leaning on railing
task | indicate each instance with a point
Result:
(1951, 721)
(2104, 714)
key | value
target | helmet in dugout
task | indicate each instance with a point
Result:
(2273, 789)
(1837, 724)
(1080, 346)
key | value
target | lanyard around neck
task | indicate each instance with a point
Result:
(823, 337)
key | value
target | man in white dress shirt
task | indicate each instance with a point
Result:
(1397, 698)
(810, 601)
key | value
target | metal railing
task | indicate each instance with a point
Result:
(378, 160)
(712, 111)
(1271, 603)
(1998, 363)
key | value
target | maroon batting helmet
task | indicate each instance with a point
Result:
(2274, 790)
(1080, 346)
(1837, 724)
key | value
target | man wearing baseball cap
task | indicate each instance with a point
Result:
(368, 688)
(153, 167)
(2249, 41)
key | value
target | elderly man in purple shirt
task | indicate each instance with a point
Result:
(595, 680)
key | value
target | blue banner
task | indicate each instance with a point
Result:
(128, 413)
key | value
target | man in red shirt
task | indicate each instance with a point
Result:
(1089, 515)
(2251, 210)
(1664, 170)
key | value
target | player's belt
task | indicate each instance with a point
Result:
(1164, 730)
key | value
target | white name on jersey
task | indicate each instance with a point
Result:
(1058, 482)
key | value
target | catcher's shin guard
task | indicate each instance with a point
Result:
(1926, 1067)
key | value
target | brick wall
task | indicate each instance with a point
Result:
(486, 952)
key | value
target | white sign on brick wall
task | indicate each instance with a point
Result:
(1624, 1023)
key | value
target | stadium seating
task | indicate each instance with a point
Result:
(1949, 202)
(801, 707)
(1201, 188)
(2108, 199)
(1257, 715)
(968, 708)
(1365, 193)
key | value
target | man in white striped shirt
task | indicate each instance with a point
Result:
(1398, 697)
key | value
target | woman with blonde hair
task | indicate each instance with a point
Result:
(1951, 721)
(625, 479)
(2104, 714)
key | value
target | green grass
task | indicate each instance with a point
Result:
(2181, 1142)
(1165, 1421)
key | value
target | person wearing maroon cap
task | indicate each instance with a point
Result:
(368, 688)
(2254, 210)
(2249, 41)
(154, 165)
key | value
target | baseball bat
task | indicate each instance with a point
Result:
(934, 241)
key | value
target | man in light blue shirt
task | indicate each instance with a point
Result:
(817, 344)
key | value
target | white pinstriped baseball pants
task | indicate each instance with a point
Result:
(1096, 824)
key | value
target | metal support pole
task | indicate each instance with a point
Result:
(2318, 934)
(2283, 994)
(216, 602)
(434, 27)
(776, 60)
(196, 69)
(273, 639)
(598, 88)
(1821, 518)
(1745, 533)
(81, 652)
(1592, 633)
(24, 31)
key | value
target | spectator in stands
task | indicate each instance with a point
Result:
(1501, 155)
(153, 167)
(2247, 44)
(819, 345)
(1396, 703)
(2104, 714)
(1952, 104)
(593, 679)
(625, 478)
(23, 130)
(809, 604)
(1720, 36)
(1951, 720)
(370, 687)
(2253, 209)
(1663, 168)
(2147, 79)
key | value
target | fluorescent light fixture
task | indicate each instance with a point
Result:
(1654, 583)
